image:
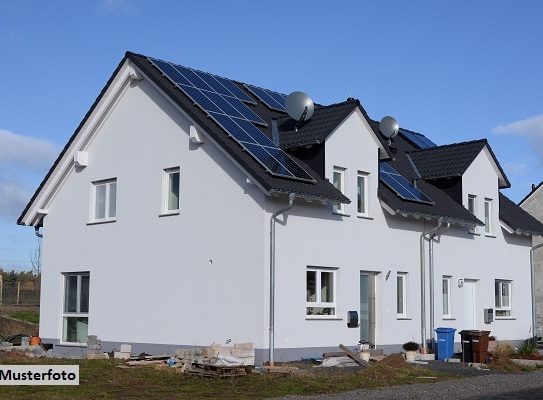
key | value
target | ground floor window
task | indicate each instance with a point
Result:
(401, 295)
(75, 318)
(503, 297)
(446, 293)
(321, 291)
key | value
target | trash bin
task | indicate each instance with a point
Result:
(466, 339)
(445, 343)
(479, 345)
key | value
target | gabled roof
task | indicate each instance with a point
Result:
(517, 220)
(318, 128)
(443, 206)
(532, 192)
(452, 160)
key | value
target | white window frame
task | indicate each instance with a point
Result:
(472, 208)
(488, 217)
(110, 186)
(446, 292)
(167, 208)
(503, 309)
(80, 314)
(362, 195)
(339, 185)
(401, 296)
(315, 305)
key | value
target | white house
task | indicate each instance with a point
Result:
(176, 201)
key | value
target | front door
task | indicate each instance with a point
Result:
(470, 304)
(367, 307)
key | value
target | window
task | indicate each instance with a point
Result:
(362, 193)
(488, 216)
(472, 207)
(171, 191)
(446, 292)
(76, 307)
(401, 295)
(105, 200)
(503, 293)
(320, 292)
(339, 183)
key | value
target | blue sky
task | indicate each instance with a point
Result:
(455, 71)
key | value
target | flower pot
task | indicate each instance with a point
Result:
(410, 355)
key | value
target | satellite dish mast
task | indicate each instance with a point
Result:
(299, 107)
(389, 128)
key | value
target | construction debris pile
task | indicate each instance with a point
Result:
(214, 361)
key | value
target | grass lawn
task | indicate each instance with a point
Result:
(102, 379)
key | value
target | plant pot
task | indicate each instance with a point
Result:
(410, 355)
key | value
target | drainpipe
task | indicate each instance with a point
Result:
(272, 273)
(37, 231)
(423, 283)
(532, 278)
(438, 232)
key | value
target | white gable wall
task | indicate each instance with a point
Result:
(200, 265)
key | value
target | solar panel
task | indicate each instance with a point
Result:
(275, 101)
(221, 99)
(417, 139)
(403, 188)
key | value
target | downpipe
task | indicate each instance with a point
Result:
(532, 282)
(272, 275)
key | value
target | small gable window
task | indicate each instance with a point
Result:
(104, 200)
(488, 216)
(170, 191)
(338, 179)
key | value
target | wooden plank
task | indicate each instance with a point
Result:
(335, 354)
(352, 355)
(144, 362)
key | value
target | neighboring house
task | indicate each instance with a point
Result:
(533, 204)
(157, 225)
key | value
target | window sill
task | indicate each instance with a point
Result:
(474, 233)
(343, 214)
(102, 221)
(489, 235)
(168, 214)
(404, 318)
(361, 216)
(322, 318)
(505, 318)
(449, 319)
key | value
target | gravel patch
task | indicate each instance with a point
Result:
(479, 384)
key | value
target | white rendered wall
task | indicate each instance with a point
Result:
(191, 278)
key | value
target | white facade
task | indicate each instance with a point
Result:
(201, 275)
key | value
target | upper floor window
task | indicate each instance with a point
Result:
(502, 295)
(362, 193)
(170, 197)
(105, 200)
(472, 208)
(338, 179)
(488, 216)
(321, 291)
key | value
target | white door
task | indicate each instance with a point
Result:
(469, 291)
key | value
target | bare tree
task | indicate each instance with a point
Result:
(35, 261)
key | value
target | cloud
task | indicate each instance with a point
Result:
(531, 128)
(25, 152)
(24, 161)
(117, 7)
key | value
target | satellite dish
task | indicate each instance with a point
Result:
(389, 127)
(299, 106)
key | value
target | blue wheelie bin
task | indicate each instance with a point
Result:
(445, 343)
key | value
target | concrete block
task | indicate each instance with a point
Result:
(121, 355)
(126, 348)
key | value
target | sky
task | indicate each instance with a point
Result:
(454, 71)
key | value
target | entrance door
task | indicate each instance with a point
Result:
(470, 305)
(367, 307)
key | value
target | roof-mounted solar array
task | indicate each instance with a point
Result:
(417, 139)
(222, 100)
(274, 100)
(403, 188)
